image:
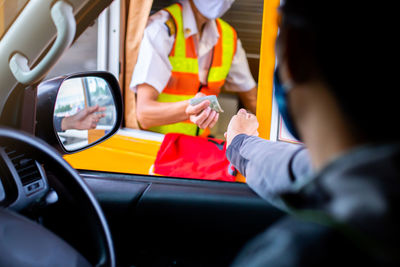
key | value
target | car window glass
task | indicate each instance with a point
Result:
(80, 57)
(9, 11)
(144, 152)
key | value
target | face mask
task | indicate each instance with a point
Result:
(213, 9)
(281, 99)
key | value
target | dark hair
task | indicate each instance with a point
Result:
(353, 56)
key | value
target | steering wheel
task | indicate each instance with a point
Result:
(26, 243)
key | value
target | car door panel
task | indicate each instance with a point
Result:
(183, 220)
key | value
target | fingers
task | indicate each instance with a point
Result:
(201, 118)
(197, 109)
(210, 120)
(91, 109)
(95, 117)
(95, 108)
(98, 117)
(207, 118)
(242, 112)
(93, 123)
(214, 121)
(242, 123)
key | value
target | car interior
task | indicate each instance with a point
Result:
(52, 214)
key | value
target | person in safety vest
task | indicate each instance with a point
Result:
(188, 51)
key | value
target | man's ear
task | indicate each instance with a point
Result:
(299, 54)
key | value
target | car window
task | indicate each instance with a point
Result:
(9, 11)
(138, 151)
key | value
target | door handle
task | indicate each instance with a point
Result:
(64, 20)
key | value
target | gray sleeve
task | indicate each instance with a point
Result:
(57, 123)
(271, 168)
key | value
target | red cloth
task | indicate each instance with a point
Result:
(193, 157)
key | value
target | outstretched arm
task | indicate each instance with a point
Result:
(151, 112)
(270, 168)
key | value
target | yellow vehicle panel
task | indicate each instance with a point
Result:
(123, 154)
(120, 153)
(267, 67)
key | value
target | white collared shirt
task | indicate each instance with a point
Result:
(153, 66)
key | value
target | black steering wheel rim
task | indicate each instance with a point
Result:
(73, 183)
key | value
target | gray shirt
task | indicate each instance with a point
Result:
(270, 168)
(346, 213)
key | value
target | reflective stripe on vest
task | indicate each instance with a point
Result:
(185, 127)
(184, 81)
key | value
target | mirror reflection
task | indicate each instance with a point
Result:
(84, 112)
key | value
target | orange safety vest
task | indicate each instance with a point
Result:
(184, 81)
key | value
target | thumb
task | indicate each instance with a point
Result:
(92, 109)
(102, 108)
(194, 110)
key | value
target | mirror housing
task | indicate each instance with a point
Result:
(48, 92)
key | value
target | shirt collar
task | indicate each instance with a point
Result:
(210, 33)
(189, 22)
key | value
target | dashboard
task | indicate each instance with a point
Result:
(22, 179)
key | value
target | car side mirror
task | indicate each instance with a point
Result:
(78, 111)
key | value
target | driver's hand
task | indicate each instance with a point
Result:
(201, 114)
(85, 119)
(242, 123)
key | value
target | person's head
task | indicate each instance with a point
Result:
(341, 48)
(212, 9)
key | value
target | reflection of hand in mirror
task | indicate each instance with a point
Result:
(242, 123)
(85, 119)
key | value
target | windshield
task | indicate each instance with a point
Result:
(9, 11)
